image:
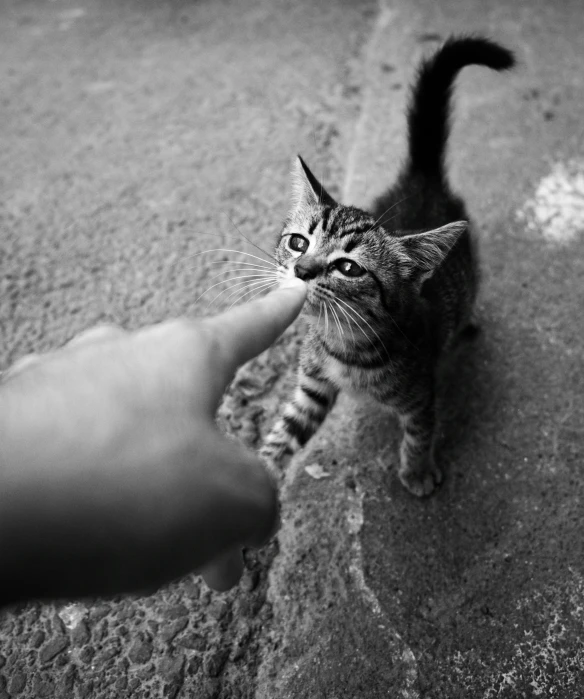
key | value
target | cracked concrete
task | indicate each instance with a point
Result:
(136, 135)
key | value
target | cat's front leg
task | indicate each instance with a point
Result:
(418, 471)
(313, 398)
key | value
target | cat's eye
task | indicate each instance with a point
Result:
(298, 243)
(349, 268)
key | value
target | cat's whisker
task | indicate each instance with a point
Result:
(223, 281)
(397, 203)
(239, 262)
(344, 312)
(251, 241)
(372, 330)
(231, 236)
(243, 289)
(250, 272)
(239, 285)
(337, 322)
(237, 252)
(258, 291)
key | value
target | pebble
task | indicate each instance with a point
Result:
(140, 652)
(17, 683)
(38, 638)
(171, 667)
(169, 633)
(80, 634)
(53, 648)
(193, 642)
(214, 664)
(99, 612)
(86, 655)
(176, 611)
(250, 581)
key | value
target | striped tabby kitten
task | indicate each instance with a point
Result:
(388, 292)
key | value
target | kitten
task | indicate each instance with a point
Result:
(388, 292)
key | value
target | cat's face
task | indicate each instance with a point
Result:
(342, 257)
(354, 269)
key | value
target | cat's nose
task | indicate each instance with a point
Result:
(306, 269)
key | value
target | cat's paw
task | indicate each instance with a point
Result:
(421, 482)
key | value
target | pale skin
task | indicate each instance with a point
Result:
(113, 475)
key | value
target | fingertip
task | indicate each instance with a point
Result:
(293, 283)
(224, 572)
(251, 328)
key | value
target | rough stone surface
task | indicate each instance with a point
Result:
(135, 135)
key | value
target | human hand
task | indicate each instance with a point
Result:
(113, 475)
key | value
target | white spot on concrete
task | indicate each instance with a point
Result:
(73, 13)
(316, 471)
(557, 208)
(551, 654)
(68, 17)
(99, 87)
(72, 614)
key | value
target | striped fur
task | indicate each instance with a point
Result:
(388, 292)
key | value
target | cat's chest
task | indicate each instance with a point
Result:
(357, 380)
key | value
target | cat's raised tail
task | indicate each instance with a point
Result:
(429, 110)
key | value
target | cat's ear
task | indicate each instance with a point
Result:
(306, 189)
(425, 251)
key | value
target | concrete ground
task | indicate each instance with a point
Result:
(136, 134)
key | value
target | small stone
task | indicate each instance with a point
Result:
(37, 639)
(170, 632)
(194, 665)
(43, 688)
(209, 689)
(85, 690)
(106, 655)
(62, 660)
(101, 631)
(171, 667)
(68, 682)
(193, 642)
(171, 690)
(215, 663)
(17, 683)
(58, 625)
(53, 648)
(140, 652)
(250, 581)
(219, 609)
(145, 673)
(87, 654)
(99, 612)
(176, 611)
(80, 634)
(125, 613)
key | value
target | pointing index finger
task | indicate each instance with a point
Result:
(247, 330)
